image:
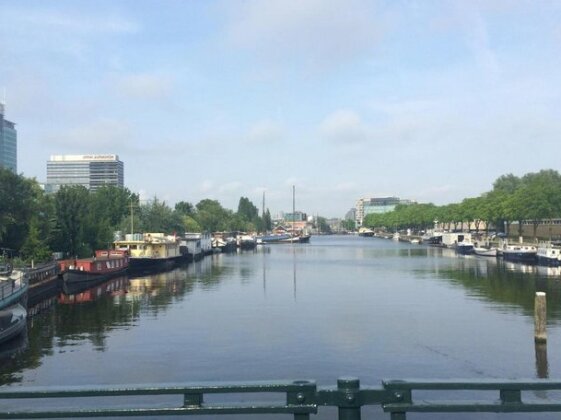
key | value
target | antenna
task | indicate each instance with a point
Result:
(3, 100)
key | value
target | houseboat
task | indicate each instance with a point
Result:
(44, 281)
(549, 253)
(104, 265)
(191, 246)
(13, 286)
(520, 253)
(151, 251)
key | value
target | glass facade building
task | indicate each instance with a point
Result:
(91, 171)
(8, 143)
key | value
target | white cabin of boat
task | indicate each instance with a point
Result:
(150, 245)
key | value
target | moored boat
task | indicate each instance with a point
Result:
(549, 254)
(246, 241)
(12, 322)
(105, 264)
(364, 231)
(485, 252)
(520, 253)
(44, 281)
(465, 248)
(13, 285)
(151, 251)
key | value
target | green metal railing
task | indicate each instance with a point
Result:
(297, 398)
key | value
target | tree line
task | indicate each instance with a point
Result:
(533, 197)
(76, 221)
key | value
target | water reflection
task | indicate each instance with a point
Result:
(506, 283)
(542, 365)
(319, 310)
(87, 312)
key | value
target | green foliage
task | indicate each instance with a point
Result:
(348, 225)
(212, 216)
(322, 225)
(157, 216)
(185, 208)
(190, 224)
(35, 246)
(535, 197)
(71, 209)
(17, 205)
(267, 221)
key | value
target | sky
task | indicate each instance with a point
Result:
(342, 99)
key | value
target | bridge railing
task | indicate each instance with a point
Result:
(299, 399)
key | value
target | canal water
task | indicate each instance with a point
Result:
(339, 306)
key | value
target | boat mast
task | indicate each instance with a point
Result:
(293, 207)
(132, 219)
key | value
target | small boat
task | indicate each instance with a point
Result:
(13, 285)
(364, 231)
(485, 252)
(223, 242)
(12, 322)
(520, 253)
(245, 241)
(415, 241)
(549, 254)
(465, 248)
(105, 264)
(274, 238)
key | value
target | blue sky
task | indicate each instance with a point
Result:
(425, 100)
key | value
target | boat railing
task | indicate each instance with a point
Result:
(299, 399)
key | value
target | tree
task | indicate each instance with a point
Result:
(348, 224)
(157, 216)
(212, 216)
(267, 221)
(17, 205)
(71, 206)
(322, 225)
(35, 246)
(185, 208)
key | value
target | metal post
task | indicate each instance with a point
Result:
(349, 405)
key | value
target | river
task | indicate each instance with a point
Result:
(339, 306)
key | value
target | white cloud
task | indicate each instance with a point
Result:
(266, 132)
(344, 126)
(77, 23)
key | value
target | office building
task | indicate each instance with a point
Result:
(8, 143)
(366, 206)
(91, 171)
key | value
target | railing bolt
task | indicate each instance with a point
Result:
(398, 396)
(349, 408)
(300, 397)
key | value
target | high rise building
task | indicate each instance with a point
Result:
(91, 171)
(8, 143)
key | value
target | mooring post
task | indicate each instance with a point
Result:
(540, 318)
(349, 404)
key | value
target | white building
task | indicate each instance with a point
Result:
(91, 171)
